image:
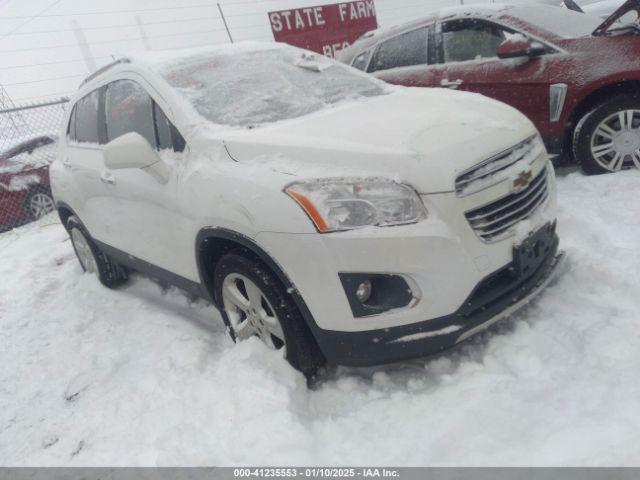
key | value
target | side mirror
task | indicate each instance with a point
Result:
(132, 150)
(520, 46)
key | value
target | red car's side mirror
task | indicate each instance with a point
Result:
(520, 46)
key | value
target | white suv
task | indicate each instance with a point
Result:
(338, 218)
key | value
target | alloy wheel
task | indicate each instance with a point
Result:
(84, 252)
(40, 204)
(249, 312)
(615, 143)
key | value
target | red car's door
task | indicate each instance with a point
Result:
(12, 195)
(467, 48)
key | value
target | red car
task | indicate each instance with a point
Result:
(25, 194)
(577, 78)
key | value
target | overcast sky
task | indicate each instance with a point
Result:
(50, 62)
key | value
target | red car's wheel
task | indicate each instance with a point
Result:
(607, 139)
(38, 204)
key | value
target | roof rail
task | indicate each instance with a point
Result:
(101, 70)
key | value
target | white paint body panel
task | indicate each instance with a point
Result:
(234, 178)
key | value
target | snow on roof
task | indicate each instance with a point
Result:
(483, 9)
(158, 58)
(555, 20)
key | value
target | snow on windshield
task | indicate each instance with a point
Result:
(559, 21)
(252, 87)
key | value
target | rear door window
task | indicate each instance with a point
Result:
(405, 50)
(86, 118)
(129, 108)
(361, 61)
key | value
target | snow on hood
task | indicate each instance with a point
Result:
(560, 22)
(424, 137)
(40, 157)
(602, 9)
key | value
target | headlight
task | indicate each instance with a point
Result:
(344, 204)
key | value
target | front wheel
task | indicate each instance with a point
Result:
(254, 303)
(607, 139)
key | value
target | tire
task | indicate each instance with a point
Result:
(603, 142)
(91, 259)
(39, 202)
(239, 272)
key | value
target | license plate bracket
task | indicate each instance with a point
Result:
(533, 251)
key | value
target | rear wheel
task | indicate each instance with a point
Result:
(607, 139)
(254, 303)
(91, 259)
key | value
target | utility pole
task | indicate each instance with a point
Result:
(84, 46)
(143, 34)
(224, 20)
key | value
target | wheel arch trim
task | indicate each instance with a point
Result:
(590, 99)
(218, 233)
(60, 205)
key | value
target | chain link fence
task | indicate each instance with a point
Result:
(28, 144)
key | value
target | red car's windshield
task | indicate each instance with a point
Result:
(558, 21)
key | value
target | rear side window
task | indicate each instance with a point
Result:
(86, 119)
(404, 50)
(129, 108)
(361, 61)
(71, 128)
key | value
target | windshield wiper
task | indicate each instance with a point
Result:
(312, 67)
(309, 61)
(624, 29)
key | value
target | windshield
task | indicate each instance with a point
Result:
(245, 88)
(557, 20)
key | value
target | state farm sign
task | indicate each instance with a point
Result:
(325, 29)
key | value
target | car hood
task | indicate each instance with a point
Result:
(7, 166)
(626, 7)
(423, 137)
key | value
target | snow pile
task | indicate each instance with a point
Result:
(143, 376)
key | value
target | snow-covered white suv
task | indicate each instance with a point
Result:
(339, 218)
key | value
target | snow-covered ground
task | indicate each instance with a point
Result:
(143, 376)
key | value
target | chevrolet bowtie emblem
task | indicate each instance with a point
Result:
(522, 180)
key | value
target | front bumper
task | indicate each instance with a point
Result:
(496, 297)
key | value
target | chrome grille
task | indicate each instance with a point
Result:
(481, 176)
(494, 220)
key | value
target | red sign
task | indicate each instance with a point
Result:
(325, 29)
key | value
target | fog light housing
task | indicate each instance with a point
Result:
(374, 293)
(363, 292)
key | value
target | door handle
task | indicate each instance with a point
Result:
(451, 83)
(107, 177)
(66, 162)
